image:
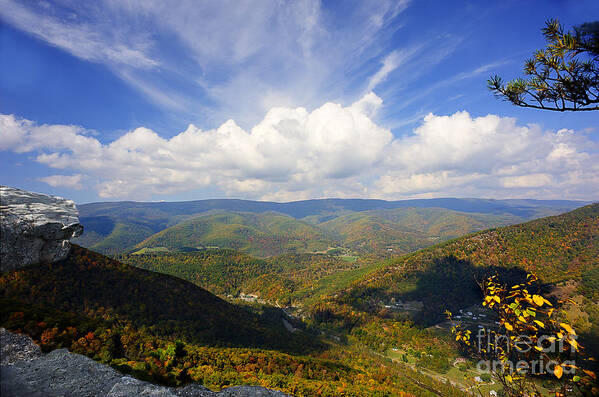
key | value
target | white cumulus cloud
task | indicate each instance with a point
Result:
(289, 147)
(69, 181)
(331, 151)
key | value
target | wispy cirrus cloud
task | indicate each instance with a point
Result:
(448, 82)
(216, 60)
(80, 37)
(391, 62)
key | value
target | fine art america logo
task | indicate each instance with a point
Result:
(503, 348)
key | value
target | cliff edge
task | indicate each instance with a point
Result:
(25, 371)
(35, 228)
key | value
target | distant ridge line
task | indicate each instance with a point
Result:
(302, 208)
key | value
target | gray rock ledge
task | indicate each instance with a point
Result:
(26, 372)
(35, 228)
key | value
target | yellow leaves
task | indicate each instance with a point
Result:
(462, 336)
(539, 323)
(488, 300)
(567, 328)
(538, 300)
(508, 326)
(590, 373)
(491, 300)
(558, 371)
(509, 378)
(573, 343)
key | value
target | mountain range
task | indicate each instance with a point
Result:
(268, 228)
(339, 299)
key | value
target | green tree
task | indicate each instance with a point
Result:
(562, 77)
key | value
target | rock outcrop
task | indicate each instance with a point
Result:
(35, 228)
(25, 371)
(17, 348)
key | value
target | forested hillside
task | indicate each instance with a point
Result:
(222, 272)
(113, 228)
(261, 235)
(406, 230)
(379, 233)
(559, 249)
(367, 310)
(86, 284)
(160, 328)
(284, 279)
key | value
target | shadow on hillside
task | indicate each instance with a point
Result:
(102, 225)
(448, 283)
(94, 286)
(452, 284)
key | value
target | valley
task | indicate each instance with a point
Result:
(354, 227)
(307, 198)
(227, 298)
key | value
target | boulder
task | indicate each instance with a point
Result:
(16, 348)
(35, 228)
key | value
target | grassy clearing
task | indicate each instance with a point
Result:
(348, 258)
(150, 250)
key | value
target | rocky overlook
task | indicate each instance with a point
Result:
(25, 371)
(35, 228)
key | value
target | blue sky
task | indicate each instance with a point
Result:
(276, 100)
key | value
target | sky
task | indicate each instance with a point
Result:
(283, 101)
